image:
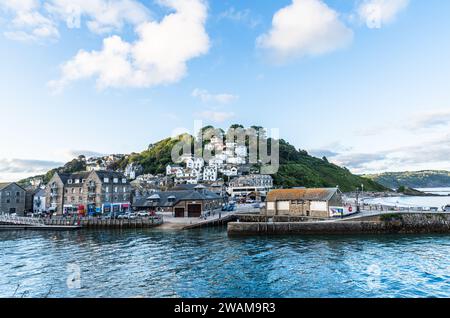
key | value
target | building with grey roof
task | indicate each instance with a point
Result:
(181, 203)
(12, 198)
(88, 192)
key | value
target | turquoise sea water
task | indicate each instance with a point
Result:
(206, 263)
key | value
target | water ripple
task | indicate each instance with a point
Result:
(206, 263)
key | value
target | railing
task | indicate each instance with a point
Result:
(18, 220)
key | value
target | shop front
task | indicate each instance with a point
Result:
(116, 208)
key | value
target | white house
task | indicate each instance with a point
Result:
(230, 172)
(236, 160)
(174, 170)
(241, 151)
(210, 173)
(216, 162)
(39, 200)
(132, 170)
(244, 185)
(195, 163)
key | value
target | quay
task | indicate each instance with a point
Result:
(23, 223)
(374, 223)
(40, 228)
(62, 223)
(213, 222)
(99, 223)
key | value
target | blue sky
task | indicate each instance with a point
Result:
(363, 82)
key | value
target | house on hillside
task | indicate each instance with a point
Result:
(243, 186)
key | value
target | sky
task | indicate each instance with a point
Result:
(363, 82)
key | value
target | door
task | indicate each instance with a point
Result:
(179, 212)
(194, 210)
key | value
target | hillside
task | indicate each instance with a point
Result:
(413, 179)
(297, 167)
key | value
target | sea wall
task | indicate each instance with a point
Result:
(275, 218)
(98, 223)
(401, 223)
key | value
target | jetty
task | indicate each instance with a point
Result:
(8, 222)
(373, 223)
(212, 222)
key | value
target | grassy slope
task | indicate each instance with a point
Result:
(297, 168)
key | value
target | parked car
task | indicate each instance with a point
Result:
(143, 214)
(114, 215)
(128, 215)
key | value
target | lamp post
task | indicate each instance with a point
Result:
(357, 200)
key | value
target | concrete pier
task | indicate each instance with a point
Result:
(389, 223)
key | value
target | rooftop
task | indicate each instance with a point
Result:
(170, 198)
(318, 194)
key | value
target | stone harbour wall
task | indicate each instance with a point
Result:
(400, 223)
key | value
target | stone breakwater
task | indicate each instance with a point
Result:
(393, 223)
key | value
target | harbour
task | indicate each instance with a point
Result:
(208, 263)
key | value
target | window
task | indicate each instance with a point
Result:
(73, 190)
(81, 190)
(116, 180)
(17, 194)
(83, 180)
(107, 189)
(69, 181)
(17, 200)
(8, 201)
(124, 189)
(124, 180)
(77, 181)
(106, 180)
(116, 189)
(8, 193)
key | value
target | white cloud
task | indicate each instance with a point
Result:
(16, 169)
(241, 16)
(206, 97)
(432, 152)
(73, 153)
(102, 15)
(376, 13)
(158, 56)
(305, 28)
(27, 23)
(430, 119)
(216, 116)
(34, 20)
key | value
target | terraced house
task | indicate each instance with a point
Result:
(12, 198)
(88, 192)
